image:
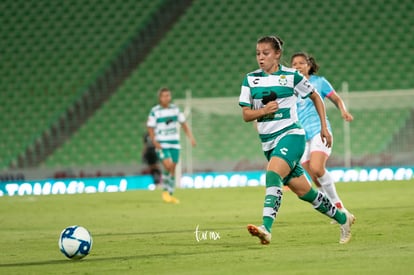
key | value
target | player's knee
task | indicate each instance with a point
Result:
(316, 170)
(170, 166)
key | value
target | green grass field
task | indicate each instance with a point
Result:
(136, 233)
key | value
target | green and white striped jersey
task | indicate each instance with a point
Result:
(165, 123)
(284, 86)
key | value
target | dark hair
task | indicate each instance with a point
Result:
(276, 42)
(163, 89)
(314, 67)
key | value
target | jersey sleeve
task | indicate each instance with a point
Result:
(181, 117)
(302, 86)
(151, 121)
(326, 88)
(245, 99)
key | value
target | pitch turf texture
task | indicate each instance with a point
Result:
(136, 233)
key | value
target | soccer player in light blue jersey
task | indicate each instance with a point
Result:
(316, 153)
(162, 125)
(269, 95)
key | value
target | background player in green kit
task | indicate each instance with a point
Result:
(269, 96)
(162, 125)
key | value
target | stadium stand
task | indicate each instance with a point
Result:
(52, 52)
(368, 140)
(207, 51)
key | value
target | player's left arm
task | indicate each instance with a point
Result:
(188, 133)
(339, 103)
(320, 108)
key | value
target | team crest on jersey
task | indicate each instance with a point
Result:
(283, 80)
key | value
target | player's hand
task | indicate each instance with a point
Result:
(157, 145)
(271, 107)
(326, 137)
(347, 116)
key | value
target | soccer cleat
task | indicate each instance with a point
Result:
(260, 232)
(174, 200)
(166, 196)
(346, 228)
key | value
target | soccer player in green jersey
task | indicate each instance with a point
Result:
(162, 125)
(269, 96)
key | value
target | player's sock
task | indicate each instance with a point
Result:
(273, 199)
(166, 181)
(321, 203)
(172, 184)
(328, 187)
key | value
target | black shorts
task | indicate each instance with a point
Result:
(150, 157)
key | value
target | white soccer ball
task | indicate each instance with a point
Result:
(75, 242)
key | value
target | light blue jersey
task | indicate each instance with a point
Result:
(307, 114)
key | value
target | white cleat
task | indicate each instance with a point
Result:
(260, 232)
(346, 228)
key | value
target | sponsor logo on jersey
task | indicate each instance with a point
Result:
(283, 80)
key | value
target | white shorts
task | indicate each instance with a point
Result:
(315, 144)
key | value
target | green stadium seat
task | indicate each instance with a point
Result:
(65, 49)
(208, 50)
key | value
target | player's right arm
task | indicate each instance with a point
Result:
(246, 102)
(250, 115)
(151, 134)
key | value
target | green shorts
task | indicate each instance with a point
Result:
(169, 153)
(290, 148)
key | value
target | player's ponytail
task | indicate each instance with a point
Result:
(314, 67)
